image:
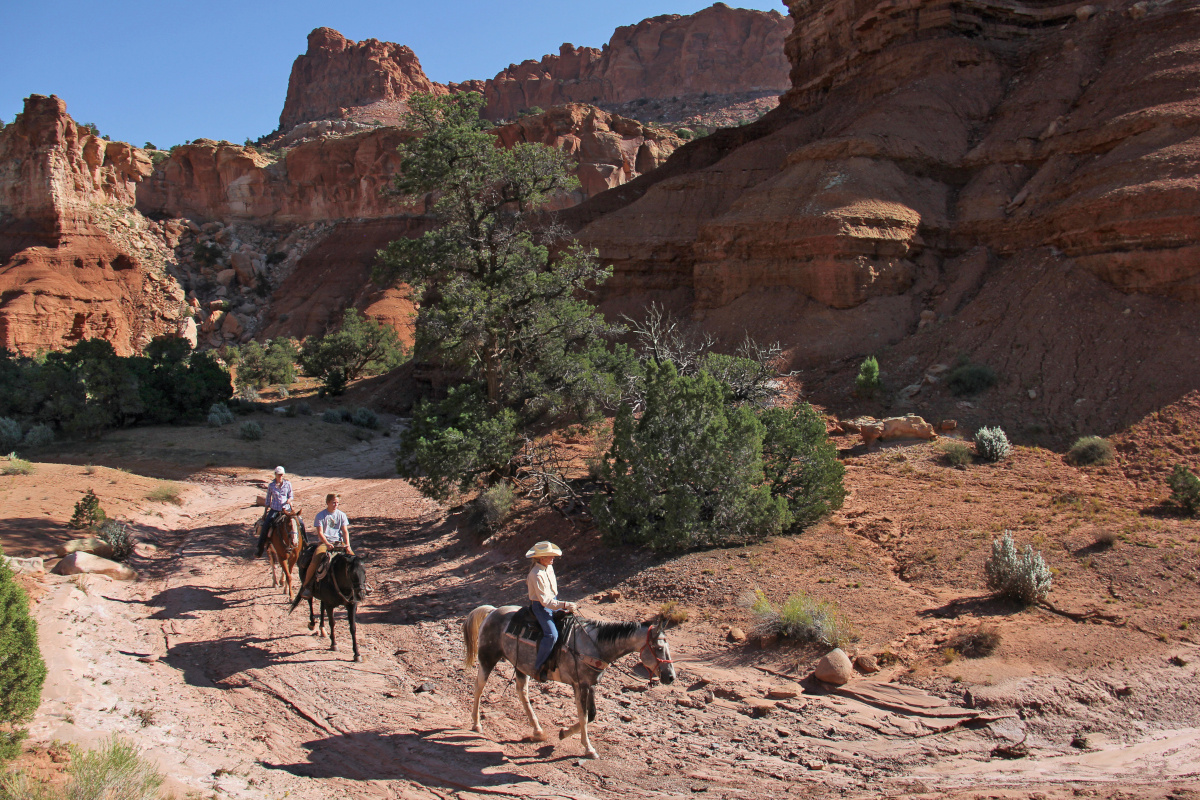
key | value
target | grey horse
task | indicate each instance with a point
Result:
(590, 646)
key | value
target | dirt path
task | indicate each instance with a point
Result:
(202, 663)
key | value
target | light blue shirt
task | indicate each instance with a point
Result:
(333, 526)
(279, 496)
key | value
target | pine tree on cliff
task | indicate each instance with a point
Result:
(496, 302)
(22, 670)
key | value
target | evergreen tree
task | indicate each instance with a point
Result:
(689, 472)
(801, 464)
(496, 301)
(361, 346)
(22, 670)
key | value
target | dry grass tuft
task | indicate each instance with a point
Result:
(978, 643)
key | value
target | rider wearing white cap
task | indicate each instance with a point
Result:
(279, 499)
(543, 597)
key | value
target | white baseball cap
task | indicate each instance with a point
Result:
(279, 470)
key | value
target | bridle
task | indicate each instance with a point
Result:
(658, 662)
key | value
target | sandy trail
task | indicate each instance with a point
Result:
(235, 697)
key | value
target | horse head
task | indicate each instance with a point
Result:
(656, 652)
(351, 578)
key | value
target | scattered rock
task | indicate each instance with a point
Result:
(736, 635)
(767, 642)
(778, 693)
(426, 687)
(1137, 11)
(81, 563)
(834, 667)
(947, 425)
(1179, 661)
(866, 664)
(88, 544)
(758, 707)
(1084, 13)
(908, 427)
(151, 659)
(226, 277)
(813, 764)
(609, 596)
(25, 566)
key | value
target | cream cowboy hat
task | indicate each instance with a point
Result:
(279, 470)
(543, 549)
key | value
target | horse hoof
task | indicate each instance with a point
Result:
(357, 657)
(590, 753)
(564, 733)
(538, 736)
(333, 647)
(312, 626)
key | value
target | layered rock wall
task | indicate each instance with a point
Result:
(719, 50)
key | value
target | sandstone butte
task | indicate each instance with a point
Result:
(719, 50)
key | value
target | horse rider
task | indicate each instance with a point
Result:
(543, 598)
(279, 499)
(333, 533)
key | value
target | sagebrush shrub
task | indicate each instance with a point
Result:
(117, 535)
(250, 431)
(1089, 451)
(992, 444)
(1023, 576)
(1185, 488)
(802, 618)
(39, 436)
(365, 418)
(332, 416)
(17, 466)
(219, 414)
(495, 504)
(10, 434)
(303, 409)
(22, 670)
(115, 770)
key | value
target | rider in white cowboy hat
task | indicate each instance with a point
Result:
(279, 499)
(543, 597)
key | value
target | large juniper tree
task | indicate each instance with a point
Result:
(500, 302)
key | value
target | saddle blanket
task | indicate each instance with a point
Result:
(525, 628)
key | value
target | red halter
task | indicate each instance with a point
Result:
(658, 662)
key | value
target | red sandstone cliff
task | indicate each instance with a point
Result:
(337, 75)
(925, 151)
(719, 50)
(76, 261)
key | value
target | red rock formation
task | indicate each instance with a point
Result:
(719, 50)
(337, 75)
(915, 134)
(75, 260)
(611, 150)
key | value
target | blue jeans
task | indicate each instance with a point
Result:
(549, 637)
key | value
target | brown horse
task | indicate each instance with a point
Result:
(283, 547)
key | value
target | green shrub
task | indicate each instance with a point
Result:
(800, 464)
(967, 379)
(251, 431)
(1022, 577)
(39, 436)
(10, 434)
(260, 366)
(689, 472)
(956, 453)
(303, 409)
(362, 346)
(365, 418)
(88, 513)
(113, 771)
(867, 383)
(332, 416)
(165, 492)
(118, 537)
(991, 444)
(1089, 451)
(495, 504)
(17, 466)
(802, 618)
(1185, 489)
(219, 414)
(22, 670)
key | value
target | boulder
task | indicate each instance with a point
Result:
(909, 427)
(243, 264)
(226, 277)
(736, 635)
(88, 544)
(866, 664)
(231, 325)
(834, 667)
(81, 563)
(188, 330)
(25, 566)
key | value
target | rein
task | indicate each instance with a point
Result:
(658, 662)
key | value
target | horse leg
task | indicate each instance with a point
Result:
(481, 677)
(271, 558)
(332, 638)
(353, 631)
(538, 735)
(312, 622)
(583, 701)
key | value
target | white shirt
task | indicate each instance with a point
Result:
(543, 587)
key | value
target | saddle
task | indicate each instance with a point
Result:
(525, 628)
(306, 557)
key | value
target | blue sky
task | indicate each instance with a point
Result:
(170, 71)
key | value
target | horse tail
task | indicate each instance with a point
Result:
(471, 626)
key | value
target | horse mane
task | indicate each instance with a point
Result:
(612, 631)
